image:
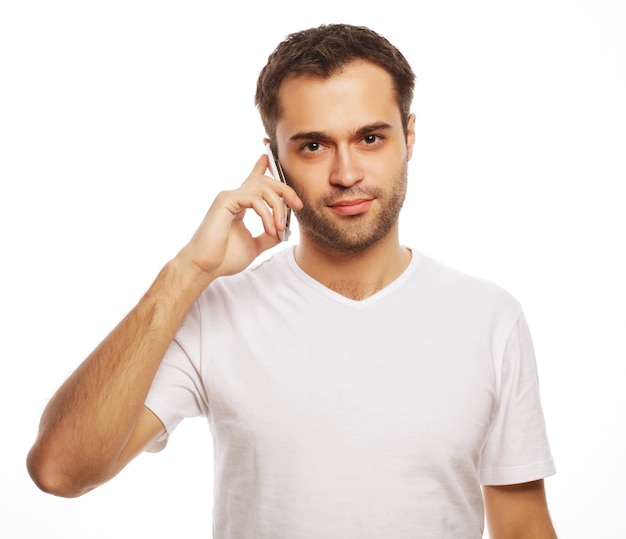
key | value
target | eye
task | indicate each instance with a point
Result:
(372, 140)
(312, 147)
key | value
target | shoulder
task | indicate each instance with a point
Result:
(460, 295)
(445, 279)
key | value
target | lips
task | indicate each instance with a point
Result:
(351, 207)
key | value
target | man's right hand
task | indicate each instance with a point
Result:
(223, 245)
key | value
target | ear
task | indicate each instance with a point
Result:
(266, 141)
(410, 135)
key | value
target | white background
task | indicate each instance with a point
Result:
(119, 121)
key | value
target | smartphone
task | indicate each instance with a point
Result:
(278, 174)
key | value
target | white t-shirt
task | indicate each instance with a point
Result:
(335, 418)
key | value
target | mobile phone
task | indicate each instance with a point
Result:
(278, 174)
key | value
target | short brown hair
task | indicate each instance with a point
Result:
(321, 52)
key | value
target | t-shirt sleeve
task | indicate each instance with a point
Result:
(177, 390)
(517, 449)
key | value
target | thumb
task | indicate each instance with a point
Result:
(263, 242)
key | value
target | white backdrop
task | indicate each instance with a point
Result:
(119, 121)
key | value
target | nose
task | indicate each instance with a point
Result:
(346, 168)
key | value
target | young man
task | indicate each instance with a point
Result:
(355, 388)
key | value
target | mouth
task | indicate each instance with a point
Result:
(354, 206)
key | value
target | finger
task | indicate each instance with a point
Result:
(281, 203)
(275, 194)
(261, 207)
(291, 198)
(285, 191)
(259, 168)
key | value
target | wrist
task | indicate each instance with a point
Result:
(187, 274)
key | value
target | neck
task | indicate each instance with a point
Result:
(354, 275)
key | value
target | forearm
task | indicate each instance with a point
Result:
(535, 530)
(86, 425)
(518, 511)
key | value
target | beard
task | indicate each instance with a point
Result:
(353, 233)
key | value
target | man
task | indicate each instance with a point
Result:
(355, 388)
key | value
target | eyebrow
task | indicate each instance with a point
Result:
(361, 132)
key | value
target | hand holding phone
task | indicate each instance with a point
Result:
(277, 173)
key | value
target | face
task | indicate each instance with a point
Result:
(342, 145)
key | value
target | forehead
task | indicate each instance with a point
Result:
(360, 94)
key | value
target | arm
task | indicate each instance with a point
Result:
(518, 511)
(96, 422)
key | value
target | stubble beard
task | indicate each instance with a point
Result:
(353, 234)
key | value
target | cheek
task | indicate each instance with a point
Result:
(301, 191)
(382, 167)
